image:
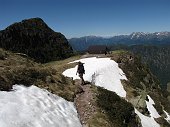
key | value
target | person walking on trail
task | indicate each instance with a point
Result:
(81, 71)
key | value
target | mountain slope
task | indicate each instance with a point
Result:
(119, 93)
(142, 91)
(157, 58)
(34, 38)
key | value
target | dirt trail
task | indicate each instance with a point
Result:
(85, 103)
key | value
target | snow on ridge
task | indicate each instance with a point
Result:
(167, 117)
(103, 72)
(147, 121)
(150, 100)
(35, 107)
(153, 112)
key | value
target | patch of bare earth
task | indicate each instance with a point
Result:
(85, 103)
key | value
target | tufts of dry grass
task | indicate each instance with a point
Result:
(16, 69)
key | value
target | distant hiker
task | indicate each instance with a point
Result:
(81, 71)
(105, 52)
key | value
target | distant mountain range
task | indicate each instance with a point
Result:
(153, 48)
(82, 43)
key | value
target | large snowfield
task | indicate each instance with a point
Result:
(101, 72)
(35, 107)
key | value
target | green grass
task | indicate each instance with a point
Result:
(118, 110)
(62, 65)
(99, 119)
(119, 52)
(62, 86)
(140, 78)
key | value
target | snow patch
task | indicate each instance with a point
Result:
(35, 107)
(153, 112)
(103, 72)
(167, 116)
(150, 100)
(147, 121)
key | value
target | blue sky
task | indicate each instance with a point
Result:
(75, 18)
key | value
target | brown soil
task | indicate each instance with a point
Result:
(84, 102)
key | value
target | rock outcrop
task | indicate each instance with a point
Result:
(34, 38)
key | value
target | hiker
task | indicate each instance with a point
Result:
(105, 52)
(81, 71)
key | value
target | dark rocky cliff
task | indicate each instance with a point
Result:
(34, 38)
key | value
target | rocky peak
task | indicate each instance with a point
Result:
(29, 23)
(34, 38)
(30, 27)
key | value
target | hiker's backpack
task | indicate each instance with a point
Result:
(81, 69)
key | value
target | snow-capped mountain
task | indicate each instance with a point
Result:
(82, 43)
(137, 35)
(149, 36)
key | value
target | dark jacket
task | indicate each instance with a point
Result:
(80, 68)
